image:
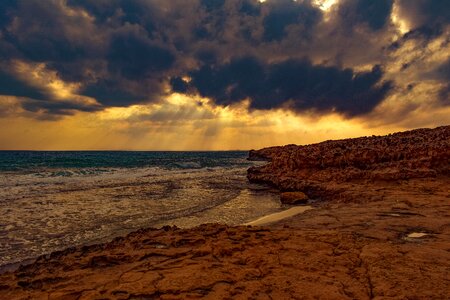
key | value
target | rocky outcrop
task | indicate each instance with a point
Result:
(293, 198)
(322, 170)
(255, 155)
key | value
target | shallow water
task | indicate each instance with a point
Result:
(47, 209)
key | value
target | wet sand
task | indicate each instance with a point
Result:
(275, 217)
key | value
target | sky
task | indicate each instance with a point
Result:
(218, 74)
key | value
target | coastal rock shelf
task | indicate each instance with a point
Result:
(378, 237)
(338, 251)
(326, 169)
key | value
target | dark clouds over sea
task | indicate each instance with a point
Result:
(279, 53)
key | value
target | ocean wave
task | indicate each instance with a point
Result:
(37, 161)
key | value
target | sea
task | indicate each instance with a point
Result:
(51, 200)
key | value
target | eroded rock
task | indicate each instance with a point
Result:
(321, 170)
(293, 198)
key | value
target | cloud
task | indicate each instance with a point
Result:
(111, 93)
(284, 13)
(10, 85)
(49, 31)
(295, 84)
(134, 56)
(375, 14)
(6, 7)
(442, 73)
(212, 4)
(279, 53)
(52, 109)
(425, 13)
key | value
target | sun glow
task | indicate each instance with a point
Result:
(401, 24)
(179, 122)
(322, 4)
(325, 4)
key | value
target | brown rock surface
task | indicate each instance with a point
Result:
(359, 249)
(323, 170)
(293, 198)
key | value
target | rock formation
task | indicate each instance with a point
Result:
(322, 170)
(293, 198)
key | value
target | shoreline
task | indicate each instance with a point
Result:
(335, 243)
(60, 213)
(383, 216)
(267, 220)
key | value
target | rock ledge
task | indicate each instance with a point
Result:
(322, 170)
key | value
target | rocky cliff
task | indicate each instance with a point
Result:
(323, 170)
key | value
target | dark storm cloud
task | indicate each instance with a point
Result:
(111, 93)
(12, 86)
(296, 83)
(103, 57)
(426, 33)
(442, 73)
(101, 9)
(115, 13)
(375, 14)
(42, 32)
(135, 57)
(6, 6)
(37, 99)
(428, 13)
(55, 108)
(444, 95)
(124, 52)
(179, 85)
(250, 8)
(212, 4)
(427, 18)
(284, 13)
(78, 70)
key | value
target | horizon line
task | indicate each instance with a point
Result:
(122, 150)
